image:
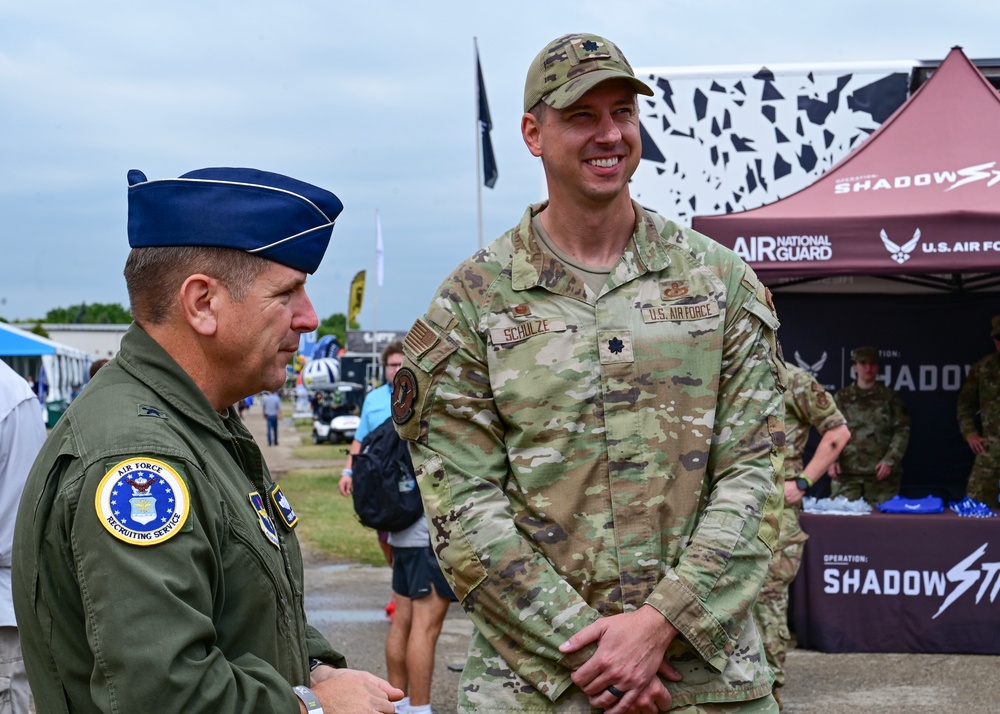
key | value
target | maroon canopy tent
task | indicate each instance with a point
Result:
(920, 196)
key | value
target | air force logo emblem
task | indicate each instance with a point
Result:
(812, 369)
(142, 501)
(900, 253)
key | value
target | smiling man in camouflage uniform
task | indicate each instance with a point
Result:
(594, 401)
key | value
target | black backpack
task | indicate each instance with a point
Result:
(386, 496)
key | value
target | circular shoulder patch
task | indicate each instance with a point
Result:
(404, 393)
(142, 501)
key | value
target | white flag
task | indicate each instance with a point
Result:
(307, 341)
(379, 251)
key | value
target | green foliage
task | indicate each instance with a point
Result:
(39, 330)
(335, 325)
(93, 314)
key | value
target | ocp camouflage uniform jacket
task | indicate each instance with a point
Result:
(580, 455)
(807, 404)
(981, 393)
(880, 429)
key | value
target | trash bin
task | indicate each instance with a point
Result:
(54, 410)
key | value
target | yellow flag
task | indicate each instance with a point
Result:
(355, 298)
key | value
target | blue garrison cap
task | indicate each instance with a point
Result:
(270, 215)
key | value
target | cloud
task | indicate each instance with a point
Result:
(374, 101)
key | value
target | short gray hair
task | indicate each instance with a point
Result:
(154, 275)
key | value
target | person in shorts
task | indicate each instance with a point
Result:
(422, 598)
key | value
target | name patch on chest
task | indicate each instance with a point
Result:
(680, 312)
(142, 501)
(524, 330)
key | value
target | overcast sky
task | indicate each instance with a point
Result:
(372, 100)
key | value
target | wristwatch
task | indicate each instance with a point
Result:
(803, 483)
(309, 699)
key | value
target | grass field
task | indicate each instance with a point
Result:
(327, 523)
(326, 519)
(320, 451)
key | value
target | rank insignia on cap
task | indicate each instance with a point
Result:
(142, 501)
(288, 516)
(264, 520)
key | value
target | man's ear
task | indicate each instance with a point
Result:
(200, 298)
(530, 133)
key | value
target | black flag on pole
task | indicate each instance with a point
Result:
(485, 126)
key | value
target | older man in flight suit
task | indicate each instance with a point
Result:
(156, 563)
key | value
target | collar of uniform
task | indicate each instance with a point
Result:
(532, 265)
(650, 250)
(144, 358)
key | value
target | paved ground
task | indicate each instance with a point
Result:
(345, 602)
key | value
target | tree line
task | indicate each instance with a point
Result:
(113, 313)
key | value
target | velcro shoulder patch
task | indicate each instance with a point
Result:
(425, 346)
(142, 501)
(419, 339)
(286, 513)
(426, 349)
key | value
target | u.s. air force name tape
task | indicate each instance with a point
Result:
(142, 501)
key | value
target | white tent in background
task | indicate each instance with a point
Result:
(64, 367)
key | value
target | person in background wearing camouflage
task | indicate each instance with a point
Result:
(807, 404)
(870, 467)
(594, 402)
(981, 393)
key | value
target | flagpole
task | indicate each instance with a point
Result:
(479, 151)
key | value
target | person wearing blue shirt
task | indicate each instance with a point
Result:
(421, 595)
(376, 408)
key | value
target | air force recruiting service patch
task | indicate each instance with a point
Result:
(142, 501)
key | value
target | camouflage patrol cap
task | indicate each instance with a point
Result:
(571, 66)
(864, 354)
(995, 332)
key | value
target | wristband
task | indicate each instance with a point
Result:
(309, 699)
(314, 663)
(347, 472)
